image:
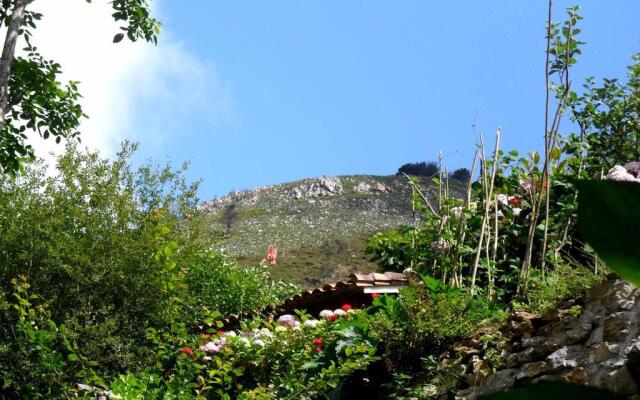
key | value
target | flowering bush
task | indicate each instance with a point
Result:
(295, 357)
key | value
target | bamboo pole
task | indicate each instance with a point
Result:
(486, 206)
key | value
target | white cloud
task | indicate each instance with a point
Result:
(130, 90)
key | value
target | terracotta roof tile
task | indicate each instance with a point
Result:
(317, 297)
(362, 278)
(381, 279)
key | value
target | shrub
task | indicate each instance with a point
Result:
(37, 359)
(291, 358)
(218, 284)
(230, 216)
(608, 118)
(392, 250)
(423, 321)
(86, 239)
(115, 250)
(560, 283)
(461, 174)
(422, 168)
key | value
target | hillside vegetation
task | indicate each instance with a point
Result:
(319, 225)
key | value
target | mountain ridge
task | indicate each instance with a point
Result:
(319, 225)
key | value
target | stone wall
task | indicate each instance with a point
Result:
(593, 340)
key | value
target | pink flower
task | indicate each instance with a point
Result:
(346, 307)
(374, 295)
(212, 347)
(272, 254)
(288, 320)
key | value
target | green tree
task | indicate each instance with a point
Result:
(31, 96)
(609, 120)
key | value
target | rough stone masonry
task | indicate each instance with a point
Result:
(593, 340)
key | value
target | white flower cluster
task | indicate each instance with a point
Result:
(257, 337)
(290, 321)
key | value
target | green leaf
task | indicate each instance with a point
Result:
(118, 38)
(609, 217)
(310, 365)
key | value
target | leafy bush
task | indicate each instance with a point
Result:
(422, 168)
(558, 284)
(423, 321)
(392, 250)
(293, 358)
(218, 284)
(115, 250)
(609, 120)
(461, 174)
(37, 359)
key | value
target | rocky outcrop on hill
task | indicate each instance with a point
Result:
(311, 211)
(325, 186)
(594, 340)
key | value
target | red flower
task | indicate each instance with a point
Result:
(346, 307)
(319, 341)
(515, 201)
(332, 317)
(318, 349)
(187, 350)
(374, 295)
(220, 332)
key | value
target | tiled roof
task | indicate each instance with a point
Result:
(333, 295)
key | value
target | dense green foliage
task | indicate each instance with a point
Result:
(608, 116)
(112, 251)
(422, 168)
(461, 174)
(425, 319)
(37, 359)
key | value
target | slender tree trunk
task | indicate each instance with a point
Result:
(536, 198)
(8, 53)
(461, 231)
(415, 228)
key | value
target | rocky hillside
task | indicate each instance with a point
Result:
(318, 225)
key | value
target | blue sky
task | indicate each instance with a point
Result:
(255, 93)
